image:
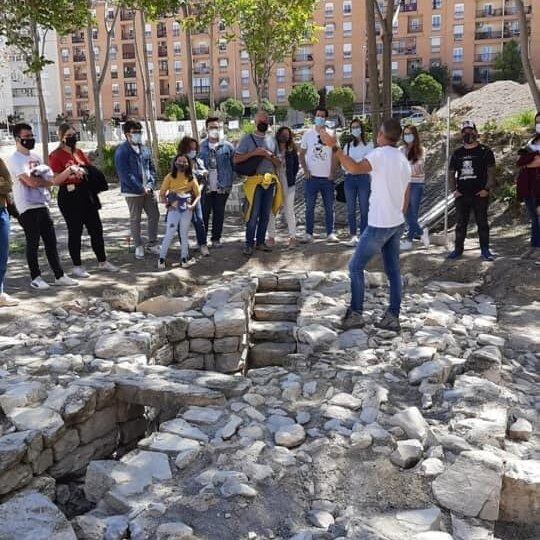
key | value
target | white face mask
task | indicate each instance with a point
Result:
(136, 138)
(192, 154)
(213, 134)
(538, 129)
(408, 138)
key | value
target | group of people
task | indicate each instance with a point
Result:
(383, 190)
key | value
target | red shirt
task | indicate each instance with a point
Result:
(61, 159)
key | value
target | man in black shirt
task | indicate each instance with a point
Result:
(471, 177)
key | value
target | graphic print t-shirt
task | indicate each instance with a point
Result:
(318, 156)
(472, 166)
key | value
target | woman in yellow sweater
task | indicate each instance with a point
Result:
(181, 192)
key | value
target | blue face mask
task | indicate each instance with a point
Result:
(408, 138)
(192, 154)
(356, 132)
(320, 121)
(136, 138)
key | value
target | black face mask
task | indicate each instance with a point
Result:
(262, 127)
(469, 138)
(29, 144)
(181, 167)
(283, 139)
(71, 141)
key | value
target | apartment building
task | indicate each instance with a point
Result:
(465, 36)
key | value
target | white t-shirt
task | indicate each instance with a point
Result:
(212, 171)
(359, 152)
(318, 156)
(390, 176)
(18, 164)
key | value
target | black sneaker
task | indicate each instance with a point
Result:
(263, 247)
(389, 322)
(353, 319)
(248, 251)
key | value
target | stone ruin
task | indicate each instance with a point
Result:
(157, 411)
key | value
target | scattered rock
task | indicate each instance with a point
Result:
(407, 454)
(290, 436)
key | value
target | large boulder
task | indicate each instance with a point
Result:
(520, 496)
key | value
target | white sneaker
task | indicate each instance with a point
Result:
(405, 245)
(153, 249)
(307, 239)
(425, 238)
(139, 252)
(7, 301)
(39, 283)
(108, 267)
(352, 242)
(332, 238)
(186, 263)
(161, 264)
(80, 272)
(65, 281)
(204, 251)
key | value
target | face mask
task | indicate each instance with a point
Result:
(283, 139)
(262, 127)
(469, 138)
(71, 141)
(192, 154)
(356, 132)
(182, 167)
(213, 134)
(538, 129)
(136, 138)
(320, 121)
(29, 144)
(408, 138)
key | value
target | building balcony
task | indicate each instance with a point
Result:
(164, 90)
(77, 38)
(81, 76)
(409, 6)
(489, 34)
(201, 90)
(302, 77)
(487, 13)
(198, 51)
(128, 55)
(130, 92)
(79, 58)
(513, 10)
(201, 70)
(415, 29)
(485, 58)
(130, 73)
(303, 58)
(132, 111)
(81, 95)
(483, 76)
(511, 33)
(407, 51)
(162, 52)
(161, 32)
(163, 72)
(127, 15)
(127, 36)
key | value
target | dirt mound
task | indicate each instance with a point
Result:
(495, 101)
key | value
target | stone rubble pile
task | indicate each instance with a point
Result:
(364, 434)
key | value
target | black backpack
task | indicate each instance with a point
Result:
(250, 166)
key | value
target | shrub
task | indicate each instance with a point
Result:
(523, 119)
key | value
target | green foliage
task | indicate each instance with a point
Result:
(304, 97)
(107, 165)
(248, 127)
(507, 64)
(442, 75)
(345, 138)
(397, 93)
(270, 30)
(281, 113)
(424, 89)
(201, 110)
(341, 97)
(521, 120)
(232, 108)
(174, 112)
(266, 105)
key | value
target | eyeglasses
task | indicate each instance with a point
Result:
(136, 132)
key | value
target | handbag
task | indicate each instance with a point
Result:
(340, 186)
(95, 179)
(250, 166)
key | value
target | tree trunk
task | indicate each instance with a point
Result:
(44, 123)
(387, 36)
(525, 54)
(212, 96)
(189, 76)
(98, 112)
(373, 70)
(143, 79)
(148, 93)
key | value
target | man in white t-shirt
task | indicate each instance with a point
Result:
(390, 176)
(319, 166)
(31, 182)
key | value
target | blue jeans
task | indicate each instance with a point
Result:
(312, 188)
(4, 245)
(198, 223)
(531, 204)
(373, 240)
(416, 192)
(357, 188)
(260, 214)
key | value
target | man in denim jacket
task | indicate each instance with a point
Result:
(217, 156)
(137, 174)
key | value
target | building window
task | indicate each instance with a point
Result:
(175, 29)
(245, 95)
(329, 51)
(280, 75)
(436, 22)
(457, 55)
(147, 30)
(222, 45)
(67, 91)
(347, 71)
(329, 9)
(223, 63)
(177, 66)
(459, 11)
(177, 48)
(149, 48)
(179, 87)
(116, 107)
(347, 7)
(457, 75)
(281, 95)
(329, 73)
(65, 55)
(347, 50)
(113, 52)
(437, 4)
(435, 44)
(329, 30)
(347, 29)
(244, 76)
(244, 56)
(458, 32)
(115, 90)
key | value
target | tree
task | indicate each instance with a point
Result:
(397, 93)
(173, 111)
(507, 63)
(270, 30)
(281, 113)
(342, 99)
(25, 26)
(267, 106)
(304, 97)
(524, 35)
(201, 110)
(373, 70)
(232, 108)
(442, 75)
(424, 89)
(97, 81)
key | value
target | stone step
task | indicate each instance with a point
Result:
(275, 312)
(268, 353)
(282, 282)
(280, 331)
(277, 297)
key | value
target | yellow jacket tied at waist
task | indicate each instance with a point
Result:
(265, 181)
